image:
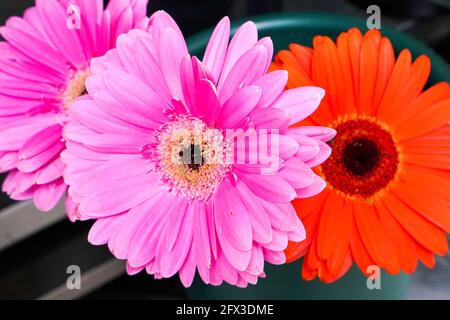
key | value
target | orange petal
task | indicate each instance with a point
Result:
(342, 230)
(303, 55)
(359, 253)
(311, 263)
(428, 160)
(348, 106)
(327, 233)
(368, 68)
(274, 67)
(435, 209)
(308, 273)
(400, 108)
(397, 82)
(431, 96)
(295, 250)
(425, 256)
(373, 237)
(435, 116)
(423, 231)
(287, 58)
(336, 274)
(325, 73)
(354, 49)
(297, 78)
(386, 62)
(308, 206)
(437, 186)
(439, 138)
(402, 242)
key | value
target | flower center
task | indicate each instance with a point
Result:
(360, 156)
(364, 159)
(191, 157)
(76, 87)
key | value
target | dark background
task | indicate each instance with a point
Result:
(428, 20)
(32, 267)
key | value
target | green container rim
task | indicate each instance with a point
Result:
(323, 22)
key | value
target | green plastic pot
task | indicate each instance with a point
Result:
(284, 282)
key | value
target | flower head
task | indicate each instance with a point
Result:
(43, 67)
(191, 165)
(386, 203)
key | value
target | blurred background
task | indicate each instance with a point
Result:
(36, 248)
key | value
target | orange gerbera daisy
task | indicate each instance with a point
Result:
(387, 199)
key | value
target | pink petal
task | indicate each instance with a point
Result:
(51, 172)
(300, 103)
(231, 217)
(279, 241)
(119, 198)
(144, 245)
(324, 154)
(298, 234)
(260, 222)
(25, 43)
(54, 20)
(270, 188)
(187, 271)
(239, 106)
(15, 134)
(102, 230)
(38, 161)
(8, 161)
(217, 48)
(46, 197)
(274, 257)
(126, 231)
(268, 44)
(116, 143)
(244, 39)
(201, 247)
(298, 174)
(321, 133)
(206, 104)
(282, 216)
(308, 148)
(269, 118)
(41, 141)
(159, 22)
(272, 85)
(315, 188)
(133, 271)
(135, 95)
(256, 265)
(225, 269)
(172, 260)
(249, 68)
(172, 50)
(146, 55)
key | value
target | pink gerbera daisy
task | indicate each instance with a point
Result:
(43, 66)
(154, 155)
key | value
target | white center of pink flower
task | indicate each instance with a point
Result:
(192, 157)
(76, 87)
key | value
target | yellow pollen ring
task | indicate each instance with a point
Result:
(75, 88)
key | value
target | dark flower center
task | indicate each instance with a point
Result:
(361, 156)
(192, 157)
(364, 158)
